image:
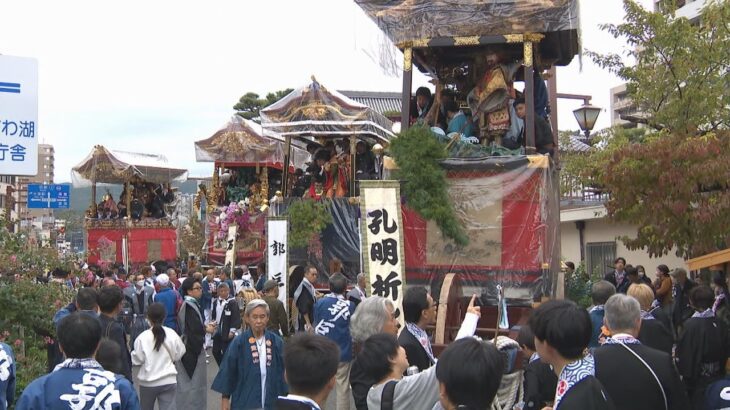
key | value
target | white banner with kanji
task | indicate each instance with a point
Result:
(382, 233)
(277, 254)
(230, 261)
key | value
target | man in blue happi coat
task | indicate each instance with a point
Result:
(251, 375)
(87, 303)
(332, 320)
(169, 298)
(7, 376)
(79, 382)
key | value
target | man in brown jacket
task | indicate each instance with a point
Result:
(278, 318)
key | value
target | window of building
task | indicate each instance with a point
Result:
(600, 257)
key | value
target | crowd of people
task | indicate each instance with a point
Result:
(644, 344)
(329, 170)
(146, 200)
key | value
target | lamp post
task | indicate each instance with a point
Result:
(586, 116)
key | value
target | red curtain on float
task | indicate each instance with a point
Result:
(145, 244)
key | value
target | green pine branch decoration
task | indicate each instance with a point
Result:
(307, 217)
(418, 153)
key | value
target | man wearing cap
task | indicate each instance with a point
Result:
(278, 321)
(168, 298)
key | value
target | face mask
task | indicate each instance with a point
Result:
(140, 283)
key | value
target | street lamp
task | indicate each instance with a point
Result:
(586, 116)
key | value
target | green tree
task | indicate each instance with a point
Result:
(672, 181)
(418, 155)
(28, 306)
(249, 105)
(676, 70)
(192, 237)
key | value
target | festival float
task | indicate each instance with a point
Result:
(462, 212)
(489, 225)
(138, 227)
(247, 163)
(506, 199)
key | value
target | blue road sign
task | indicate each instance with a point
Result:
(49, 196)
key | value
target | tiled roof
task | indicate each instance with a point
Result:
(576, 144)
(376, 100)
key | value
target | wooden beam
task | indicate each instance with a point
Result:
(711, 259)
(553, 98)
(405, 117)
(285, 176)
(128, 199)
(529, 99)
(352, 170)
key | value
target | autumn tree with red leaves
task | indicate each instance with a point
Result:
(672, 182)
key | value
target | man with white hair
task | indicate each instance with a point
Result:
(357, 294)
(374, 315)
(251, 375)
(168, 297)
(174, 282)
(653, 382)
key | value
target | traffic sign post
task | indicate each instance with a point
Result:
(18, 116)
(51, 196)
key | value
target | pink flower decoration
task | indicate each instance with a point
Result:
(18, 342)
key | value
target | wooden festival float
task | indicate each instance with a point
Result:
(510, 204)
(137, 228)
(247, 163)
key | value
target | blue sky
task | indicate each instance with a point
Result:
(155, 76)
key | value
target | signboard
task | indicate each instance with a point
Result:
(230, 262)
(382, 231)
(277, 254)
(18, 116)
(49, 196)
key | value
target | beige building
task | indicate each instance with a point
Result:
(46, 161)
(689, 9)
(585, 227)
(622, 106)
(8, 202)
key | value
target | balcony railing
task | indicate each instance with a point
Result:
(572, 190)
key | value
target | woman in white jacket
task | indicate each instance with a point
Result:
(156, 350)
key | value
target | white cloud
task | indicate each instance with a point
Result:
(157, 75)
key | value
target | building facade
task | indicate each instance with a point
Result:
(623, 111)
(587, 234)
(8, 196)
(689, 9)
